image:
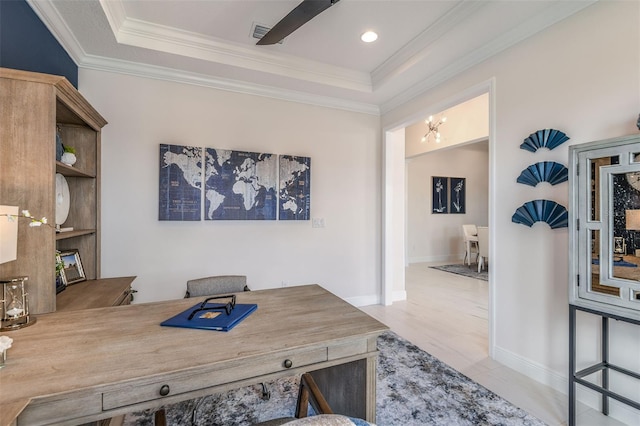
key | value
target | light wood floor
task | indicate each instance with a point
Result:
(446, 315)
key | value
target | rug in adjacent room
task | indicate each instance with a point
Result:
(470, 271)
(413, 389)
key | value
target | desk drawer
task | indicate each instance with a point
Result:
(65, 408)
(348, 349)
(176, 385)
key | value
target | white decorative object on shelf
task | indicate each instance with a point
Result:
(62, 199)
(68, 158)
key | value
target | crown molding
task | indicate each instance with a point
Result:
(166, 74)
(115, 13)
(543, 20)
(162, 38)
(51, 18)
(178, 42)
(416, 50)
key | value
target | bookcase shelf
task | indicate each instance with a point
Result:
(35, 106)
(65, 170)
(74, 233)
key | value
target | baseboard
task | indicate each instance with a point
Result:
(363, 300)
(560, 383)
(399, 296)
(533, 370)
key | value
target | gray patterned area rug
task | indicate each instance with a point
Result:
(413, 388)
(470, 271)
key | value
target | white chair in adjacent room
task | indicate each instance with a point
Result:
(470, 236)
(483, 247)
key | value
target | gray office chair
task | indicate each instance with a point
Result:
(211, 286)
(219, 284)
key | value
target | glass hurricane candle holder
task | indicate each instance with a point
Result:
(14, 311)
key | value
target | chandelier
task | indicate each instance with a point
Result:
(433, 129)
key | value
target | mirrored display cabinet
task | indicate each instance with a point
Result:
(604, 261)
(604, 226)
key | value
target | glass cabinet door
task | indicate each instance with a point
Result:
(605, 225)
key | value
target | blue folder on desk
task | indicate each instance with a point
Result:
(209, 320)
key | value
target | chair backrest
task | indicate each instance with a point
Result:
(483, 241)
(469, 231)
(219, 284)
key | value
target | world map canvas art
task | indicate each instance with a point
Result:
(295, 188)
(235, 185)
(240, 185)
(180, 182)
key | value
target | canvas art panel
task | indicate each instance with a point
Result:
(240, 185)
(439, 193)
(295, 188)
(457, 195)
(180, 186)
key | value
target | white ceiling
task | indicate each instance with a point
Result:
(208, 42)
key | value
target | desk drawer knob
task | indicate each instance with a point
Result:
(164, 390)
(288, 363)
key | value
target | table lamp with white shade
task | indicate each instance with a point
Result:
(8, 233)
(14, 306)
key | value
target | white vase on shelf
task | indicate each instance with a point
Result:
(68, 158)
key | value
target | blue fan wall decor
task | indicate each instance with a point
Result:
(544, 171)
(542, 211)
(546, 138)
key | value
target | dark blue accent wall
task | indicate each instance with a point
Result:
(26, 43)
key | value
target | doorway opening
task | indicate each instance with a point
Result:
(406, 175)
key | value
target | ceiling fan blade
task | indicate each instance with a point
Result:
(299, 16)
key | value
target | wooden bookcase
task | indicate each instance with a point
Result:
(32, 105)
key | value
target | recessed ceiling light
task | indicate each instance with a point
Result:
(369, 37)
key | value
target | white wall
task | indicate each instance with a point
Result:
(467, 121)
(580, 76)
(345, 153)
(438, 237)
(395, 200)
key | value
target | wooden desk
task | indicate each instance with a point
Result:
(95, 294)
(80, 366)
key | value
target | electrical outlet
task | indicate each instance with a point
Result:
(317, 222)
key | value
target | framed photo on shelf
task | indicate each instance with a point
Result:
(72, 271)
(457, 195)
(619, 245)
(439, 192)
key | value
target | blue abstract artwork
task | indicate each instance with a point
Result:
(544, 171)
(547, 211)
(546, 138)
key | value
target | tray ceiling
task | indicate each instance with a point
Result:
(208, 42)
